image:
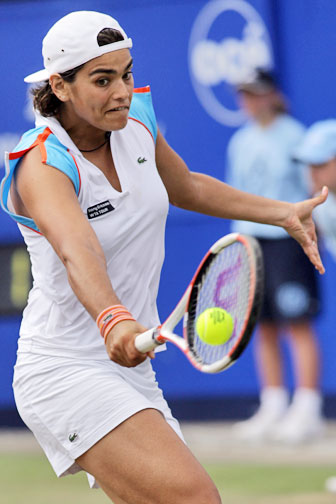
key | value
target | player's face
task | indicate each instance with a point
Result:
(102, 91)
(324, 174)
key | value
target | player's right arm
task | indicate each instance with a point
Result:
(47, 195)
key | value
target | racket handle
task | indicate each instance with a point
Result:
(147, 341)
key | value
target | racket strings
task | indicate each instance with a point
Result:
(224, 283)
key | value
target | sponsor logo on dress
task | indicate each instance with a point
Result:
(99, 209)
(141, 160)
(73, 437)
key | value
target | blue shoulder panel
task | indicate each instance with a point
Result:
(59, 157)
(142, 109)
(56, 156)
(28, 138)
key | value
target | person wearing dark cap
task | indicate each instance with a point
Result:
(318, 151)
(259, 82)
(260, 161)
(89, 187)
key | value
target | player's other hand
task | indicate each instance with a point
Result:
(120, 345)
(300, 225)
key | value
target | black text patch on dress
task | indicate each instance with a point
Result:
(99, 209)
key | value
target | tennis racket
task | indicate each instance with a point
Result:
(230, 276)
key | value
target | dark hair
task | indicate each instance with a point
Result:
(265, 81)
(45, 101)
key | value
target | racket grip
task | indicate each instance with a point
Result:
(147, 341)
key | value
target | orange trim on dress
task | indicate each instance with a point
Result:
(79, 175)
(41, 138)
(32, 229)
(43, 152)
(144, 125)
(145, 89)
(40, 141)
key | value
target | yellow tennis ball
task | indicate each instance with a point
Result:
(214, 326)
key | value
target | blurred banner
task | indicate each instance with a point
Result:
(16, 279)
(192, 53)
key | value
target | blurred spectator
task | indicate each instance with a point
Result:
(318, 150)
(260, 161)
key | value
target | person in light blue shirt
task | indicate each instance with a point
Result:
(318, 151)
(265, 167)
(260, 160)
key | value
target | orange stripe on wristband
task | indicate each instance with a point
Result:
(106, 311)
(114, 322)
(111, 317)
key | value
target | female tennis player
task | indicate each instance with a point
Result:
(89, 188)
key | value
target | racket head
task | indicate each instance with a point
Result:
(230, 276)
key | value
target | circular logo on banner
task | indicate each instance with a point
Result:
(292, 299)
(228, 41)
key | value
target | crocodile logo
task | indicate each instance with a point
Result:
(141, 160)
(73, 437)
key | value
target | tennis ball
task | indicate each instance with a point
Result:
(214, 326)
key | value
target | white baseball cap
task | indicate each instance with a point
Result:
(72, 41)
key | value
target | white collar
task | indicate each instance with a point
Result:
(55, 126)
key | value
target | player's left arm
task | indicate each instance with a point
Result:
(201, 193)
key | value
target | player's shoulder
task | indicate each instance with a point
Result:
(41, 144)
(38, 136)
(142, 109)
(28, 139)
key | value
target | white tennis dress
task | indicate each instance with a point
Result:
(66, 389)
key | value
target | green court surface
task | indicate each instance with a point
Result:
(28, 478)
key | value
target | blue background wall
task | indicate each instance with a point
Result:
(300, 39)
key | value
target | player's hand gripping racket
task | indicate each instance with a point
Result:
(229, 277)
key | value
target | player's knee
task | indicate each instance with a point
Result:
(210, 495)
(202, 491)
(207, 496)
